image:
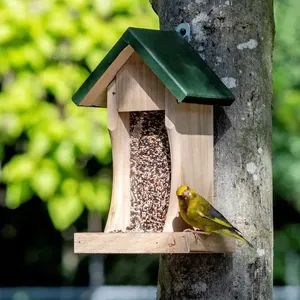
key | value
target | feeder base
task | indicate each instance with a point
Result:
(152, 243)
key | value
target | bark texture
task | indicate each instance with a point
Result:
(236, 40)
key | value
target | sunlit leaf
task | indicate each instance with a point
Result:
(6, 33)
(103, 7)
(65, 155)
(10, 126)
(17, 193)
(46, 179)
(64, 210)
(96, 195)
(39, 145)
(19, 168)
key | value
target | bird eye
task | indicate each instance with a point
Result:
(187, 188)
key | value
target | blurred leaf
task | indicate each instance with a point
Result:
(6, 33)
(103, 7)
(45, 181)
(64, 210)
(19, 168)
(17, 193)
(10, 127)
(39, 145)
(96, 196)
(65, 155)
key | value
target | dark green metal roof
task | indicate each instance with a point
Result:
(173, 61)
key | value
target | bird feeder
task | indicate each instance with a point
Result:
(159, 96)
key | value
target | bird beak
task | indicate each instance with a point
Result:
(186, 194)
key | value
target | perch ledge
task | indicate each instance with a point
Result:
(152, 243)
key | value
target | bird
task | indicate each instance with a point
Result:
(199, 213)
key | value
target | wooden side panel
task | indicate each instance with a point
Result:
(138, 89)
(190, 131)
(97, 94)
(173, 220)
(158, 242)
(118, 125)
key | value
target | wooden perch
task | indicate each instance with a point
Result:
(151, 243)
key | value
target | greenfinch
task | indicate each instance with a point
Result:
(199, 213)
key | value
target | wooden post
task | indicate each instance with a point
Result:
(238, 47)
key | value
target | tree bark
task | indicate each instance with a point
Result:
(236, 40)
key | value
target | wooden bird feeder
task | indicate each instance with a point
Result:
(159, 94)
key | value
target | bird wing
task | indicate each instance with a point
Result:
(207, 211)
(217, 217)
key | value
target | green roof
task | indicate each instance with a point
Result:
(173, 61)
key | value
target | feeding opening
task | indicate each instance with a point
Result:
(150, 171)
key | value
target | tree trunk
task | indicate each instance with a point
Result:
(236, 40)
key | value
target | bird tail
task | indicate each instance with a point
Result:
(233, 232)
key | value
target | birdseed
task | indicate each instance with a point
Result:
(150, 171)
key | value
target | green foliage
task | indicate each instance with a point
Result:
(286, 121)
(47, 49)
(286, 140)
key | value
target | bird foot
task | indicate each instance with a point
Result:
(190, 230)
(196, 231)
(196, 234)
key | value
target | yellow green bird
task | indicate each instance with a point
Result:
(199, 213)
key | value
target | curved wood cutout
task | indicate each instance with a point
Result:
(118, 126)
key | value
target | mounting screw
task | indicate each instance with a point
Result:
(185, 30)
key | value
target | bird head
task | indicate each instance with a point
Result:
(184, 193)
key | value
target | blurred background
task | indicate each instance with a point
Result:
(55, 158)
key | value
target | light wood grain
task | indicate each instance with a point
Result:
(118, 126)
(158, 242)
(190, 132)
(138, 88)
(173, 220)
(97, 94)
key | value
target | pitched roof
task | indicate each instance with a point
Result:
(171, 59)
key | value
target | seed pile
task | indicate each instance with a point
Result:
(150, 170)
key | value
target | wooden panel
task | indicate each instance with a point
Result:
(97, 94)
(118, 126)
(173, 221)
(138, 89)
(190, 132)
(158, 242)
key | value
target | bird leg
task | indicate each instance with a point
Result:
(196, 234)
(196, 231)
(190, 230)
